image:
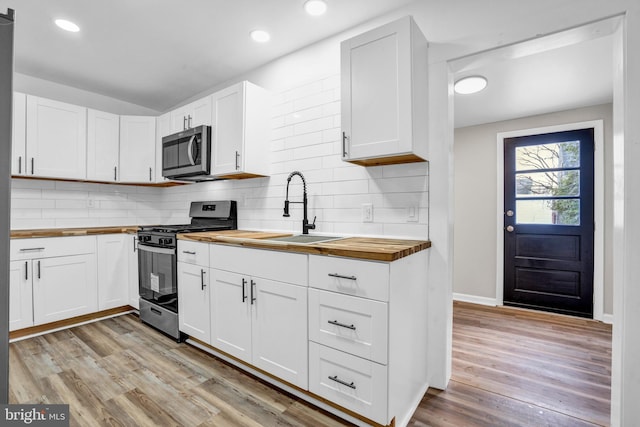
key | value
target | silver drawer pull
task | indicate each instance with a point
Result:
(189, 252)
(339, 381)
(340, 276)
(342, 325)
(31, 249)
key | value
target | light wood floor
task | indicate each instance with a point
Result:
(510, 368)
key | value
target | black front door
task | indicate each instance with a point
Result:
(549, 222)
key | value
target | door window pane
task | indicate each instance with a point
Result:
(559, 183)
(548, 211)
(548, 156)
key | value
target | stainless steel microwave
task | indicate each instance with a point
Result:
(186, 155)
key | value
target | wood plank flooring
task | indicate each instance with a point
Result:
(511, 367)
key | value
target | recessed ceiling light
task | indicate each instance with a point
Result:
(471, 84)
(260, 36)
(315, 7)
(67, 25)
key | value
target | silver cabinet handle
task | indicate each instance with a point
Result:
(253, 298)
(184, 123)
(115, 173)
(202, 273)
(26, 270)
(244, 293)
(31, 249)
(19, 164)
(33, 168)
(344, 144)
(339, 381)
(189, 122)
(237, 160)
(134, 244)
(38, 269)
(189, 252)
(340, 276)
(150, 175)
(342, 325)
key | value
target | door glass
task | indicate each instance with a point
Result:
(548, 211)
(547, 182)
(548, 156)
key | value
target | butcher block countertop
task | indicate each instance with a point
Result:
(62, 232)
(370, 248)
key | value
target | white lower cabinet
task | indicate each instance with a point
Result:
(52, 279)
(256, 318)
(132, 251)
(352, 382)
(20, 295)
(64, 287)
(193, 301)
(113, 270)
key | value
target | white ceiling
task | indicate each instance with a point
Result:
(158, 53)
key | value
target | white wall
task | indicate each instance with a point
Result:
(474, 273)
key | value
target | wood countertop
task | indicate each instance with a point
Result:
(370, 248)
(62, 232)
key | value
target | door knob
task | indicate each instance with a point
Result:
(509, 212)
(510, 228)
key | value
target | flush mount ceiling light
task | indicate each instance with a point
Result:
(260, 36)
(471, 84)
(315, 7)
(67, 25)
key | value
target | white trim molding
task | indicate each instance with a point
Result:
(598, 205)
(475, 299)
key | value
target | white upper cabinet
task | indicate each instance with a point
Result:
(103, 141)
(240, 132)
(137, 149)
(56, 139)
(384, 95)
(191, 115)
(19, 136)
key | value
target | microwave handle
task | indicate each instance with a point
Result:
(190, 150)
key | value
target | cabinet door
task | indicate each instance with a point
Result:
(137, 148)
(20, 295)
(132, 254)
(19, 159)
(193, 301)
(376, 92)
(231, 313)
(103, 140)
(113, 271)
(163, 128)
(199, 112)
(228, 130)
(64, 287)
(280, 330)
(179, 119)
(56, 139)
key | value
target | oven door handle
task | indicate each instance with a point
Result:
(163, 251)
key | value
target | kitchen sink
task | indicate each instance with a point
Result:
(305, 238)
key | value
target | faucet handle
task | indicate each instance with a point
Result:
(312, 226)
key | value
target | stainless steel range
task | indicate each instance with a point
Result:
(157, 261)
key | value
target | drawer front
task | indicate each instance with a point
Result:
(193, 253)
(355, 325)
(274, 265)
(349, 381)
(51, 247)
(365, 279)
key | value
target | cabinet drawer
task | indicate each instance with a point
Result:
(274, 265)
(51, 246)
(350, 276)
(193, 253)
(355, 325)
(349, 381)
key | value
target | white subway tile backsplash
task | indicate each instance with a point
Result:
(306, 136)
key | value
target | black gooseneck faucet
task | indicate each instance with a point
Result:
(305, 222)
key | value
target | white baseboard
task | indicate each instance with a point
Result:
(475, 299)
(607, 318)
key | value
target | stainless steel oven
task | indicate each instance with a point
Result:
(186, 155)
